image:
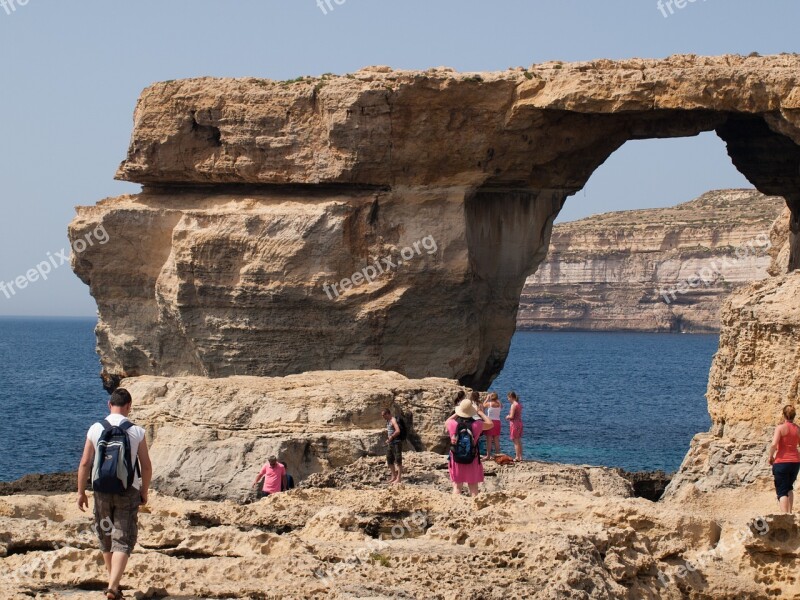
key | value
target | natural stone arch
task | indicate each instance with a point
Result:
(260, 192)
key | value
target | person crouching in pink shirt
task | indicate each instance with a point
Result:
(274, 475)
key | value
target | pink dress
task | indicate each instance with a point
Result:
(516, 422)
(473, 472)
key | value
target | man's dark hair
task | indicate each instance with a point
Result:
(120, 397)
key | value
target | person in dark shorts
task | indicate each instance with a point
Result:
(784, 456)
(116, 515)
(394, 447)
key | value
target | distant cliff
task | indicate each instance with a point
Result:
(665, 270)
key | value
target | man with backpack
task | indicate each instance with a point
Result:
(396, 434)
(117, 457)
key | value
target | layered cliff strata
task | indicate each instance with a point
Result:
(664, 270)
(259, 193)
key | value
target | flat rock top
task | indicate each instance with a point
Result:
(719, 209)
(381, 126)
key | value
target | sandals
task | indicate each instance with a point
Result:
(112, 595)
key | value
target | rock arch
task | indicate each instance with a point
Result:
(257, 194)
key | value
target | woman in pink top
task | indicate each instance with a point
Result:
(785, 458)
(515, 419)
(472, 473)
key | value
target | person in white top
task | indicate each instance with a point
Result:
(116, 515)
(492, 406)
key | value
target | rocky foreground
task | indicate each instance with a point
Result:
(658, 270)
(538, 531)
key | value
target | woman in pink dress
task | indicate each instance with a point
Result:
(470, 473)
(515, 419)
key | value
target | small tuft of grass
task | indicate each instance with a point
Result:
(381, 559)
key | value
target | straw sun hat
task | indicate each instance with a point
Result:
(466, 409)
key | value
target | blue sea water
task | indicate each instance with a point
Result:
(50, 392)
(627, 400)
(630, 400)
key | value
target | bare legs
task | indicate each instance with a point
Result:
(517, 449)
(473, 489)
(115, 566)
(787, 503)
(492, 440)
(397, 473)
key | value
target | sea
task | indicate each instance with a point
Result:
(612, 399)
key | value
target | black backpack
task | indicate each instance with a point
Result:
(465, 449)
(401, 424)
(113, 472)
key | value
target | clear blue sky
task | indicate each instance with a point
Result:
(71, 73)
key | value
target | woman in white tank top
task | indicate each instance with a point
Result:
(493, 408)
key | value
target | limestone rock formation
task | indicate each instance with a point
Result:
(754, 374)
(209, 437)
(258, 192)
(538, 533)
(664, 270)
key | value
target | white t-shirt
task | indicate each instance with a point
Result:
(135, 436)
(493, 412)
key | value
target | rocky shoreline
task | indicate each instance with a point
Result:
(538, 531)
(645, 484)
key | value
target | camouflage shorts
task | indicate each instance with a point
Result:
(116, 520)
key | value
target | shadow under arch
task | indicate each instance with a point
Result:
(509, 218)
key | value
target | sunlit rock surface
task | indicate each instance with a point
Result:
(258, 193)
(659, 270)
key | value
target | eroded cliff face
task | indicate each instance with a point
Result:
(218, 268)
(250, 283)
(209, 437)
(662, 270)
(755, 373)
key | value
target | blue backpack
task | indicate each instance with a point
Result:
(113, 472)
(465, 449)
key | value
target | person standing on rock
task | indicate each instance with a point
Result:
(784, 457)
(394, 447)
(492, 407)
(274, 475)
(515, 419)
(465, 459)
(116, 454)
